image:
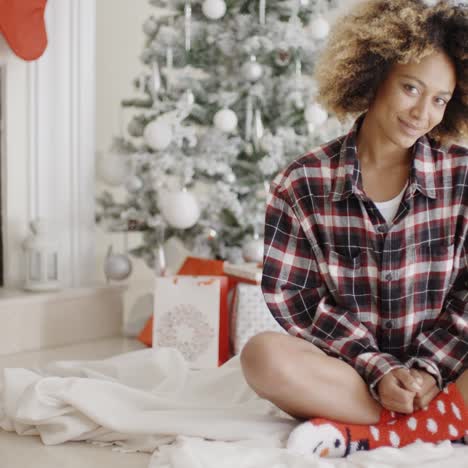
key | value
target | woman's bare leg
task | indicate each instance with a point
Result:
(304, 382)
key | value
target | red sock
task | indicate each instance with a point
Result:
(445, 418)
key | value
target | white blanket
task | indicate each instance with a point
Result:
(150, 401)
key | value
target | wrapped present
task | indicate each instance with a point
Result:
(191, 315)
(250, 316)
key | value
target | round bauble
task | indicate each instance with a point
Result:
(315, 114)
(180, 209)
(117, 267)
(225, 120)
(158, 135)
(150, 26)
(112, 168)
(319, 28)
(252, 250)
(134, 184)
(136, 128)
(252, 70)
(214, 9)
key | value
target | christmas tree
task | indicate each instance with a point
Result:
(225, 100)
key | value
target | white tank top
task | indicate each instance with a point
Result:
(389, 208)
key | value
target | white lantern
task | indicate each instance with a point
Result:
(41, 252)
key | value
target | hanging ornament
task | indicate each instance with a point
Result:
(155, 78)
(282, 57)
(304, 3)
(252, 70)
(258, 128)
(150, 26)
(262, 12)
(188, 26)
(136, 127)
(319, 28)
(298, 97)
(225, 120)
(252, 250)
(158, 135)
(248, 117)
(189, 97)
(112, 168)
(214, 9)
(134, 184)
(315, 114)
(180, 209)
(117, 266)
(169, 66)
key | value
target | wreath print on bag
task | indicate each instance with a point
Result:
(185, 328)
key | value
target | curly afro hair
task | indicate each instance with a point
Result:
(379, 33)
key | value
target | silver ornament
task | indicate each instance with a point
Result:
(134, 184)
(150, 26)
(117, 266)
(252, 250)
(252, 70)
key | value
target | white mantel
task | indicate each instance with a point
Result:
(48, 155)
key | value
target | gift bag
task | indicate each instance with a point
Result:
(250, 316)
(190, 314)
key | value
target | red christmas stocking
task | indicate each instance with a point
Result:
(22, 25)
(445, 418)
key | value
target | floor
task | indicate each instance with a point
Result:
(29, 452)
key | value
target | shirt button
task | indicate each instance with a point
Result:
(389, 277)
(388, 324)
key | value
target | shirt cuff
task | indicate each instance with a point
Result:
(374, 366)
(427, 365)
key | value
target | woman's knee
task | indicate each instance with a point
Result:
(260, 356)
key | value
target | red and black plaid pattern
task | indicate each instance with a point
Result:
(379, 295)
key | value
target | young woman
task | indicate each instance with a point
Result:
(366, 247)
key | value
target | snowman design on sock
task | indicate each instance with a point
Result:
(445, 418)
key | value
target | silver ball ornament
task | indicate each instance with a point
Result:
(252, 70)
(252, 250)
(134, 184)
(315, 114)
(319, 28)
(158, 135)
(117, 267)
(214, 9)
(225, 120)
(150, 26)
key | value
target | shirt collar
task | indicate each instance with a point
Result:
(348, 180)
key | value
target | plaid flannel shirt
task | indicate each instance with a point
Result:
(378, 295)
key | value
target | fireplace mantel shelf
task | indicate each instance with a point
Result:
(11, 295)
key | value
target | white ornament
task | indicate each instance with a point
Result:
(319, 28)
(315, 114)
(112, 168)
(252, 250)
(214, 9)
(158, 135)
(117, 266)
(225, 120)
(180, 209)
(252, 70)
(134, 184)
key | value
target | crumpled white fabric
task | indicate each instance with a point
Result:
(197, 453)
(149, 400)
(138, 400)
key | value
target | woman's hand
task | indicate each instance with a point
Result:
(429, 389)
(397, 390)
